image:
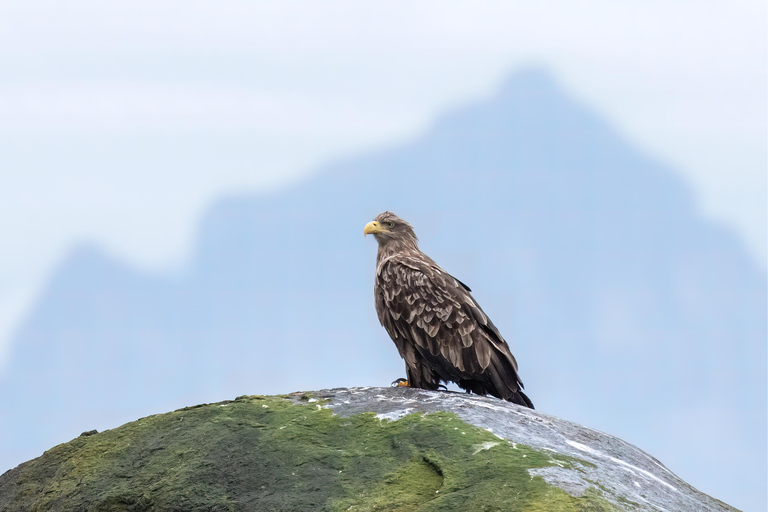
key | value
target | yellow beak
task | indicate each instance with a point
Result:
(372, 227)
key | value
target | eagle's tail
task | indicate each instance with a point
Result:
(521, 398)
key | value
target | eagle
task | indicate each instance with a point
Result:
(437, 326)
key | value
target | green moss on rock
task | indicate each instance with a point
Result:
(274, 453)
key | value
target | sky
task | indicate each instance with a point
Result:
(120, 122)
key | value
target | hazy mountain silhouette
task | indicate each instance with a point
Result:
(626, 309)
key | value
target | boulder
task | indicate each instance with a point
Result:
(358, 449)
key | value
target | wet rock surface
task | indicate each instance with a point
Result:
(624, 472)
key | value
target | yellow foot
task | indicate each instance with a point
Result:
(401, 383)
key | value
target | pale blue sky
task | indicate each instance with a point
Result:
(99, 102)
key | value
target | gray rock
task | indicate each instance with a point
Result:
(629, 478)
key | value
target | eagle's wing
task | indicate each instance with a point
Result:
(426, 310)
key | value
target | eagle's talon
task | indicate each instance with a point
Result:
(400, 383)
(442, 386)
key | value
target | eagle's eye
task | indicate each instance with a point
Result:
(390, 224)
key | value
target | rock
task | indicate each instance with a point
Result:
(349, 449)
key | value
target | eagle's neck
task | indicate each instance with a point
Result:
(390, 248)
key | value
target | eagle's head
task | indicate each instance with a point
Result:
(388, 227)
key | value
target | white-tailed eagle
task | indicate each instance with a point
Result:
(439, 329)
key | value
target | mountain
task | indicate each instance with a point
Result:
(627, 310)
(350, 449)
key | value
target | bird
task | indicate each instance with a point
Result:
(439, 329)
